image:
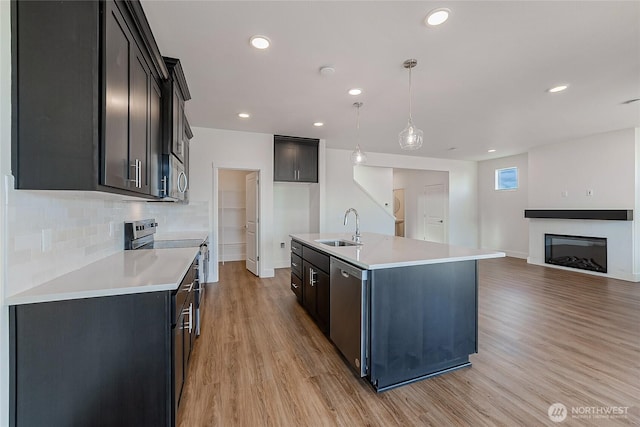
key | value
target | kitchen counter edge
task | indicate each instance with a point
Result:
(123, 273)
(403, 245)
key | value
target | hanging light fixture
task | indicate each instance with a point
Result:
(358, 157)
(411, 137)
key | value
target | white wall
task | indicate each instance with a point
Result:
(414, 182)
(377, 183)
(211, 149)
(295, 210)
(344, 193)
(501, 212)
(606, 163)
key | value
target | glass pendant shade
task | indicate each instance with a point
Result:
(411, 137)
(358, 156)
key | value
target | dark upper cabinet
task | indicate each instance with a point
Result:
(85, 98)
(295, 159)
(176, 93)
(155, 136)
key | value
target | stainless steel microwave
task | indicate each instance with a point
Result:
(174, 180)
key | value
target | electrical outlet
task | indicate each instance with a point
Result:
(281, 245)
(589, 192)
(565, 193)
(112, 229)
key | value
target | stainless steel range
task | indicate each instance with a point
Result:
(140, 235)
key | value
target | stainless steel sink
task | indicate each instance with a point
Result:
(337, 242)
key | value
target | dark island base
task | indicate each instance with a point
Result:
(423, 323)
(465, 364)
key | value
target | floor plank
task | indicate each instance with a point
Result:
(545, 336)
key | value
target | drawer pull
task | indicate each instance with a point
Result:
(294, 286)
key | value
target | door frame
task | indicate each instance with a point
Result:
(215, 215)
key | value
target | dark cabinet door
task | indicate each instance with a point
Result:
(309, 285)
(178, 362)
(177, 104)
(155, 142)
(295, 159)
(127, 92)
(117, 59)
(139, 124)
(285, 162)
(322, 300)
(307, 162)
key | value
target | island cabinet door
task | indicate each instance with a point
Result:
(310, 290)
(322, 301)
(424, 321)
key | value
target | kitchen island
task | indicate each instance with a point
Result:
(419, 306)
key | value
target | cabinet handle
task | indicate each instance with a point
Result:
(186, 182)
(312, 282)
(188, 312)
(293, 264)
(294, 286)
(137, 165)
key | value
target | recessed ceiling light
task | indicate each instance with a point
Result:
(437, 16)
(355, 91)
(491, 151)
(557, 89)
(244, 115)
(318, 124)
(259, 42)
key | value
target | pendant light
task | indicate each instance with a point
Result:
(411, 137)
(358, 157)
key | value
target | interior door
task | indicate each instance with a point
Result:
(433, 213)
(253, 222)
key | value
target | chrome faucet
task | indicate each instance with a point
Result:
(355, 237)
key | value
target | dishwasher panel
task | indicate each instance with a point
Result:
(348, 316)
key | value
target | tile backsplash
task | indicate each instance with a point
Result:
(51, 233)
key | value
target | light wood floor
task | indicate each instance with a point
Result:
(545, 336)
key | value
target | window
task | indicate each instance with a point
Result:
(507, 178)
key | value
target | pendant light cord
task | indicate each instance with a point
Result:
(410, 118)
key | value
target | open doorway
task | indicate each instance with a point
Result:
(425, 204)
(238, 217)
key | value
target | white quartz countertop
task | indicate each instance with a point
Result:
(378, 251)
(126, 272)
(181, 235)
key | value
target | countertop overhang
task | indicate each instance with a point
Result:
(379, 251)
(126, 272)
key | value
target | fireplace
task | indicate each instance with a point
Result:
(585, 253)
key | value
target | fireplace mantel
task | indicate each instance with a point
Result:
(597, 214)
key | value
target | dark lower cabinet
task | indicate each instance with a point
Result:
(313, 282)
(106, 361)
(92, 362)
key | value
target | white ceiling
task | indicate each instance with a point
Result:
(480, 81)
